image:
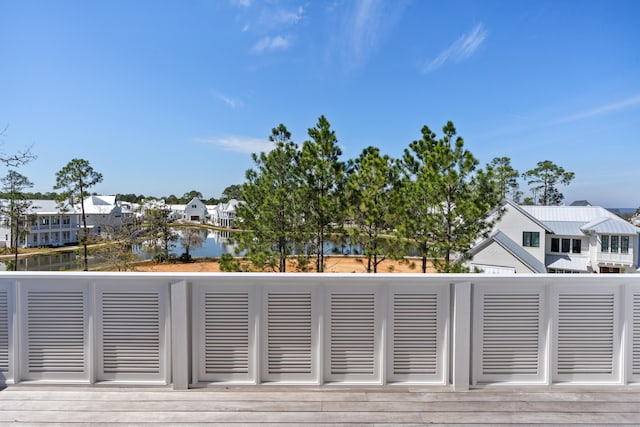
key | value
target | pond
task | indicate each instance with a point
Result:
(216, 243)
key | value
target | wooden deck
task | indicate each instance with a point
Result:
(326, 405)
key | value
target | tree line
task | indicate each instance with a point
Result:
(435, 198)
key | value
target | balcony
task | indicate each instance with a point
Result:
(245, 329)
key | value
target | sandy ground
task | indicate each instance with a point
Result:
(332, 265)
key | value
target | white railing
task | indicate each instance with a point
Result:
(184, 329)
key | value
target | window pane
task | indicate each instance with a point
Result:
(624, 244)
(535, 239)
(526, 238)
(605, 244)
(555, 245)
(566, 245)
(614, 243)
(576, 248)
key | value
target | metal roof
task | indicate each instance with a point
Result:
(565, 228)
(611, 226)
(566, 262)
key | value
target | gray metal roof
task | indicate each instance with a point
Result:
(611, 226)
(46, 207)
(566, 262)
(565, 228)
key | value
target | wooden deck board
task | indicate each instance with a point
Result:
(317, 406)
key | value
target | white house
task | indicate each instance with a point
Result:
(47, 225)
(103, 213)
(51, 225)
(195, 211)
(223, 214)
(558, 239)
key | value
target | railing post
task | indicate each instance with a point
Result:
(180, 333)
(461, 335)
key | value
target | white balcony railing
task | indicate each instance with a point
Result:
(616, 257)
(184, 329)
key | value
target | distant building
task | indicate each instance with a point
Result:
(52, 225)
(558, 239)
(223, 214)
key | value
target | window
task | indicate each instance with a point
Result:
(531, 239)
(194, 206)
(576, 246)
(624, 244)
(614, 244)
(66, 220)
(55, 220)
(604, 246)
(566, 244)
(45, 221)
(555, 244)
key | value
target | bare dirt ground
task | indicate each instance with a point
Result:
(333, 264)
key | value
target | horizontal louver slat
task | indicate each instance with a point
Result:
(131, 332)
(585, 333)
(55, 331)
(510, 334)
(415, 332)
(226, 333)
(352, 333)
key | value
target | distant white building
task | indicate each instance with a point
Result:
(223, 214)
(52, 225)
(195, 211)
(103, 213)
(558, 239)
(47, 225)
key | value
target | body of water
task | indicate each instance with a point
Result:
(216, 243)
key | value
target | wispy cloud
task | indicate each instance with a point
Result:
(231, 102)
(365, 25)
(271, 43)
(242, 3)
(604, 109)
(460, 50)
(286, 17)
(239, 144)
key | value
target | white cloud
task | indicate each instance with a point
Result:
(239, 144)
(365, 25)
(242, 3)
(459, 50)
(290, 17)
(608, 108)
(271, 43)
(231, 102)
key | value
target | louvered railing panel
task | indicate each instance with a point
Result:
(55, 333)
(289, 329)
(226, 335)
(4, 331)
(353, 352)
(510, 334)
(635, 336)
(131, 334)
(585, 345)
(415, 335)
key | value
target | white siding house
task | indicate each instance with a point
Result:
(47, 225)
(195, 211)
(224, 214)
(558, 239)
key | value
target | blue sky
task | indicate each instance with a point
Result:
(164, 97)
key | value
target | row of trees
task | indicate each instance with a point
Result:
(435, 198)
(231, 192)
